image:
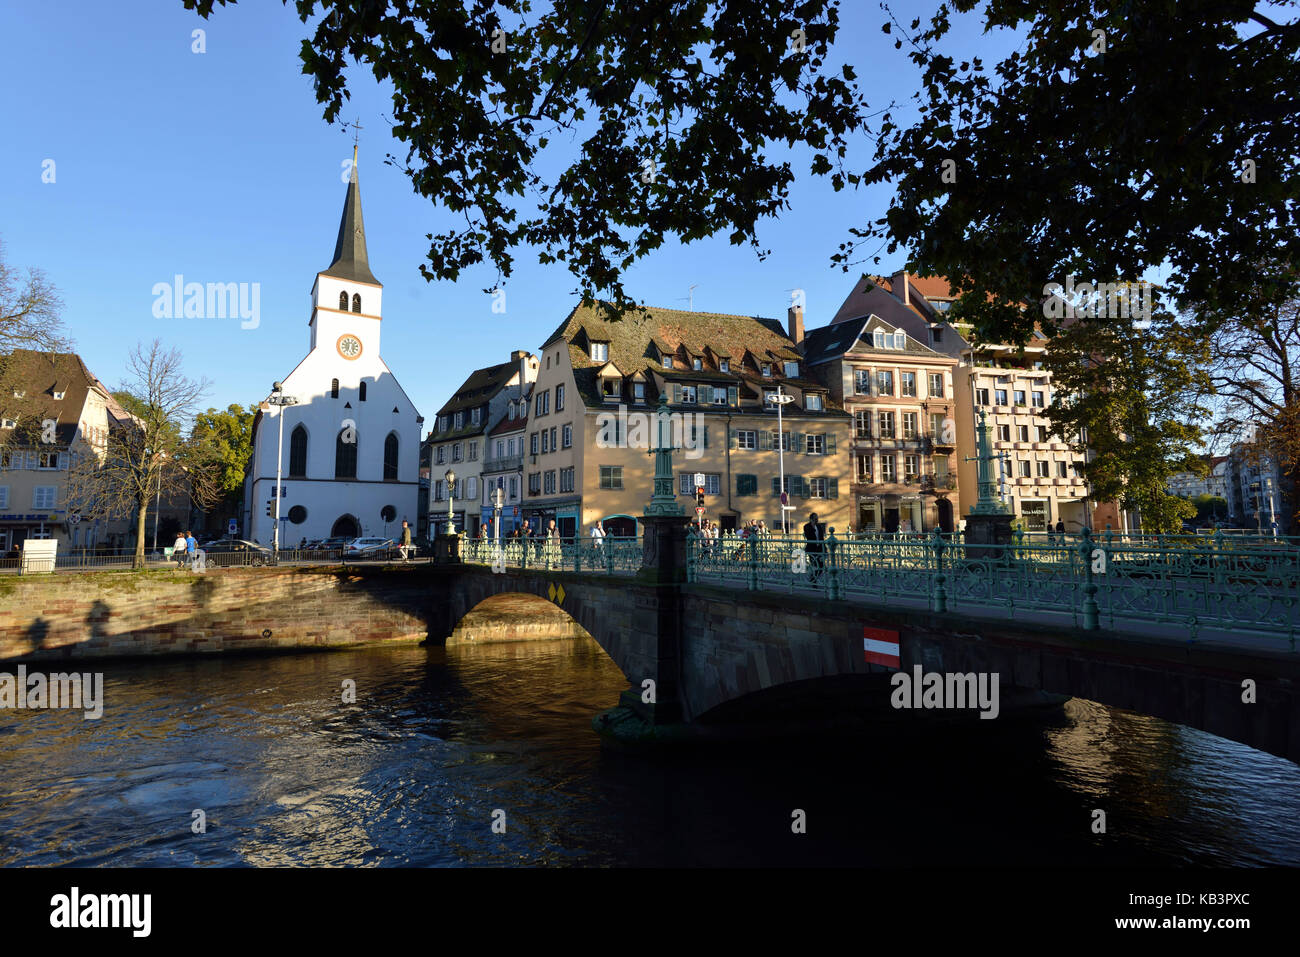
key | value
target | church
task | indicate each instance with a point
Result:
(351, 440)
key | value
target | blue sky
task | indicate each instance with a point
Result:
(218, 166)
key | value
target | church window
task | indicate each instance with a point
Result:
(356, 302)
(297, 515)
(390, 457)
(345, 454)
(388, 513)
(334, 389)
(298, 452)
(343, 301)
(363, 392)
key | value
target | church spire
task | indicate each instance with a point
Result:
(350, 259)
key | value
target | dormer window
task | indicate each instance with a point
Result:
(697, 364)
(668, 362)
(20, 394)
(878, 339)
(638, 391)
(600, 352)
(460, 420)
(724, 365)
(792, 370)
(812, 402)
(767, 369)
(512, 410)
(610, 388)
(900, 340)
(59, 395)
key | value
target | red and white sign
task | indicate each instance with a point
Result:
(880, 646)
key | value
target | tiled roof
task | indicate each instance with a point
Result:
(43, 374)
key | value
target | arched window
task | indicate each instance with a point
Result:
(343, 301)
(390, 456)
(363, 391)
(334, 389)
(345, 454)
(298, 452)
(356, 302)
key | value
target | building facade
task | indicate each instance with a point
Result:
(594, 420)
(350, 450)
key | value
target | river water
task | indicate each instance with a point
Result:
(442, 741)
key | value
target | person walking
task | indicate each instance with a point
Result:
(191, 547)
(814, 533)
(552, 546)
(598, 538)
(405, 547)
(179, 548)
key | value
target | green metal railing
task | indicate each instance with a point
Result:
(610, 555)
(1194, 583)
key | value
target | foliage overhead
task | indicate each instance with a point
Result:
(672, 106)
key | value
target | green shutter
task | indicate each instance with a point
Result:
(677, 394)
(705, 393)
(731, 438)
(733, 395)
(764, 440)
(797, 442)
(706, 436)
(833, 487)
(776, 486)
(830, 443)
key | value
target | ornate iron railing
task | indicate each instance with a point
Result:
(609, 555)
(1194, 583)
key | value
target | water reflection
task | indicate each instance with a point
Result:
(289, 774)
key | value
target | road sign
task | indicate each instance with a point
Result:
(699, 479)
(785, 499)
(233, 527)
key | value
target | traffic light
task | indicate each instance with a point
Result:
(270, 506)
(699, 497)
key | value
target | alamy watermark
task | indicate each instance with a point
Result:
(37, 691)
(214, 300)
(634, 430)
(1105, 300)
(946, 690)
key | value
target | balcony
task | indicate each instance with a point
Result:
(506, 463)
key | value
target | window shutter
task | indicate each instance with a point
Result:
(830, 443)
(833, 487)
(706, 393)
(31, 460)
(733, 395)
(776, 486)
(764, 441)
(797, 487)
(677, 394)
(706, 436)
(63, 461)
(796, 442)
(731, 438)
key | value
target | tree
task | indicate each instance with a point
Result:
(147, 448)
(30, 333)
(1117, 139)
(675, 107)
(225, 439)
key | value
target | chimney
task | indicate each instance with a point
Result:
(794, 322)
(894, 281)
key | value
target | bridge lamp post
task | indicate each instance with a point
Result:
(780, 399)
(451, 515)
(498, 500)
(278, 398)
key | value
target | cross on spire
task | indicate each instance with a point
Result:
(356, 125)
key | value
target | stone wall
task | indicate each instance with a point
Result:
(121, 614)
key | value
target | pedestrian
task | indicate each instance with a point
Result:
(814, 533)
(1060, 530)
(598, 537)
(405, 547)
(552, 546)
(191, 547)
(179, 549)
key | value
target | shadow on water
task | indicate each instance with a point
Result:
(438, 739)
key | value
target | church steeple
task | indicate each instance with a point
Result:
(350, 259)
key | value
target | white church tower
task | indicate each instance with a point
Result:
(351, 444)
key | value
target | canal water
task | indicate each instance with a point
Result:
(442, 741)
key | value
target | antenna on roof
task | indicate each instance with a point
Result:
(689, 297)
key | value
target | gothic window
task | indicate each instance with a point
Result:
(345, 454)
(356, 302)
(334, 389)
(390, 457)
(343, 301)
(298, 452)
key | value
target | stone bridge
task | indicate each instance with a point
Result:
(709, 649)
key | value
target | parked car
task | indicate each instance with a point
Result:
(371, 548)
(237, 551)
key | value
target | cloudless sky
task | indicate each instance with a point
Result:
(218, 166)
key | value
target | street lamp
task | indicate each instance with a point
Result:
(780, 399)
(498, 500)
(278, 398)
(451, 517)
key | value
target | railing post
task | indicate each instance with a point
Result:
(608, 546)
(692, 573)
(833, 592)
(753, 562)
(577, 552)
(940, 603)
(1089, 587)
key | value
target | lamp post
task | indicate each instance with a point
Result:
(451, 516)
(498, 500)
(278, 398)
(780, 399)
